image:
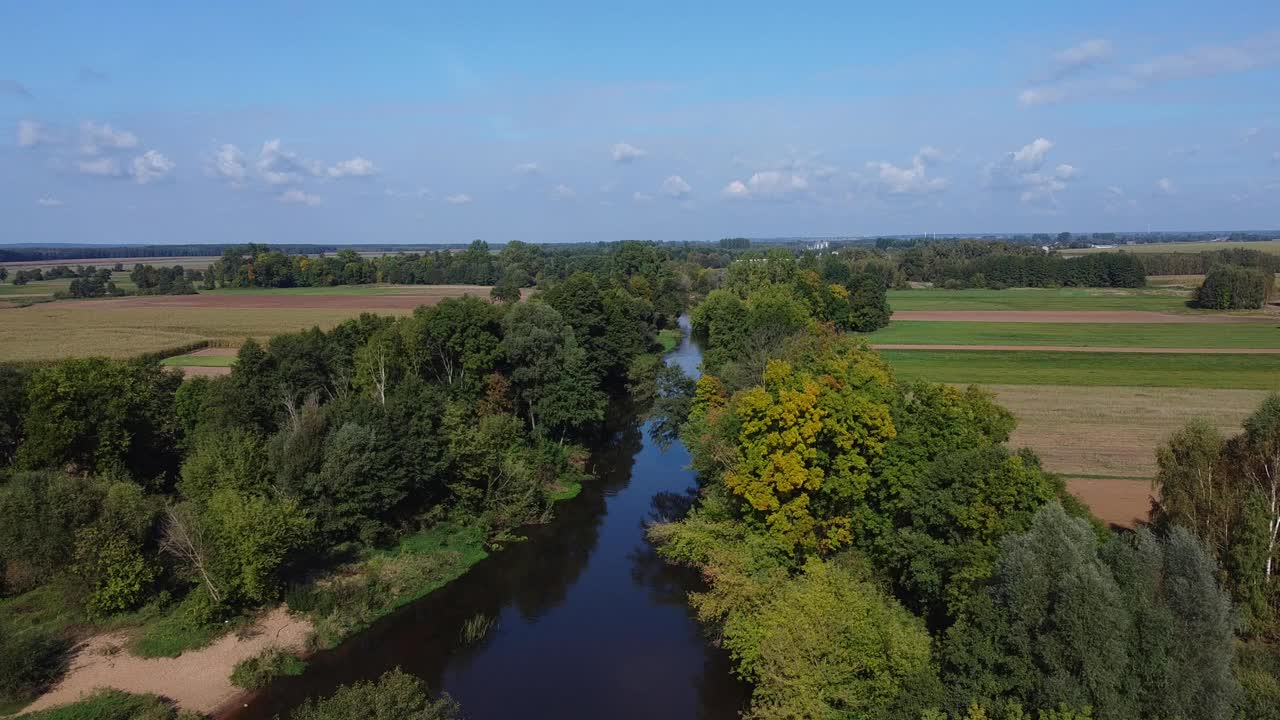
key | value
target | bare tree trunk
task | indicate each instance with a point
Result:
(184, 539)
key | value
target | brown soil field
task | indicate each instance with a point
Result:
(1069, 316)
(1091, 349)
(1113, 431)
(195, 371)
(1119, 503)
(199, 680)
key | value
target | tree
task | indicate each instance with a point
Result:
(393, 696)
(831, 645)
(1230, 287)
(13, 406)
(1256, 453)
(252, 538)
(804, 453)
(455, 341)
(101, 415)
(1193, 487)
(549, 370)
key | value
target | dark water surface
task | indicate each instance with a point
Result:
(590, 623)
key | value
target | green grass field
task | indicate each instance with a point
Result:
(199, 361)
(1271, 246)
(1168, 335)
(1245, 372)
(1146, 299)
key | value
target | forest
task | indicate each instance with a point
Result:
(872, 548)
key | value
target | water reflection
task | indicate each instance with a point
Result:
(590, 623)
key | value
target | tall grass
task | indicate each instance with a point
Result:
(476, 628)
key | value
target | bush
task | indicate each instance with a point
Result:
(114, 705)
(394, 696)
(30, 660)
(257, 671)
(1230, 287)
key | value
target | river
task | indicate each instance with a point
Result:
(590, 623)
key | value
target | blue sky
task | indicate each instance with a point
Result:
(568, 121)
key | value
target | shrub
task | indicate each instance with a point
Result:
(255, 672)
(115, 705)
(30, 660)
(394, 696)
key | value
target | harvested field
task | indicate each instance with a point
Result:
(1113, 431)
(199, 680)
(1119, 503)
(195, 262)
(1271, 246)
(131, 326)
(1077, 348)
(1073, 316)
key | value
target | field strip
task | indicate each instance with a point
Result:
(1113, 432)
(1084, 349)
(1074, 316)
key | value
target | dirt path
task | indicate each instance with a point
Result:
(199, 680)
(1086, 349)
(1071, 316)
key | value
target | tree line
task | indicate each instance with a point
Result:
(872, 548)
(122, 487)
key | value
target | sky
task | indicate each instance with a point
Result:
(419, 122)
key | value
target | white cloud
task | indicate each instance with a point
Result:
(277, 166)
(101, 167)
(150, 167)
(298, 197)
(563, 192)
(625, 153)
(1081, 57)
(228, 164)
(1115, 200)
(1165, 186)
(912, 180)
(641, 197)
(459, 199)
(676, 187)
(529, 168)
(32, 133)
(95, 138)
(736, 190)
(1020, 171)
(355, 167)
(49, 202)
(1205, 61)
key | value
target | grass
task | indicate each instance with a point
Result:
(476, 628)
(1248, 372)
(255, 672)
(370, 588)
(565, 490)
(114, 705)
(1146, 299)
(669, 339)
(1167, 335)
(199, 361)
(1271, 246)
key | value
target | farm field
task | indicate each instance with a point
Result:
(1271, 246)
(196, 262)
(1260, 334)
(44, 289)
(1165, 300)
(1088, 369)
(128, 327)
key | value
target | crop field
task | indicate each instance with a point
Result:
(131, 326)
(195, 262)
(1271, 246)
(42, 290)
(1088, 369)
(1165, 300)
(1264, 334)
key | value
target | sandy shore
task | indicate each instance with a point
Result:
(199, 680)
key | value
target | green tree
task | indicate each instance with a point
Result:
(455, 342)
(393, 696)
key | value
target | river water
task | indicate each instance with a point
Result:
(590, 624)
